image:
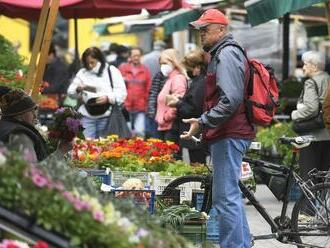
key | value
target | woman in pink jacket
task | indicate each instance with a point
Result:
(176, 84)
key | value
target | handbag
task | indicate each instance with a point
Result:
(317, 122)
(116, 123)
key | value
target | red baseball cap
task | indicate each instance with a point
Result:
(208, 17)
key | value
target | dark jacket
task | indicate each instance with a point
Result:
(226, 80)
(57, 75)
(191, 106)
(10, 126)
(156, 86)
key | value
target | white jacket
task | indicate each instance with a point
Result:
(103, 88)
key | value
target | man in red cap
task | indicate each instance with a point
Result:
(224, 124)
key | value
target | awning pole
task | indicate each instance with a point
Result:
(327, 12)
(76, 48)
(286, 46)
(30, 79)
(51, 19)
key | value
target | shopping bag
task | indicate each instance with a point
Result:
(117, 124)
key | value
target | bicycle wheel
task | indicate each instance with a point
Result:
(186, 185)
(311, 218)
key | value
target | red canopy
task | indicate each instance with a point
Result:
(29, 9)
(86, 8)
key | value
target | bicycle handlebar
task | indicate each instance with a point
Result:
(297, 142)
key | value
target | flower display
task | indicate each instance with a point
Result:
(133, 154)
(47, 103)
(68, 205)
(149, 151)
(67, 125)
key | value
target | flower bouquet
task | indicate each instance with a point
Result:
(67, 125)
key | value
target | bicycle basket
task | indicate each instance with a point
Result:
(275, 181)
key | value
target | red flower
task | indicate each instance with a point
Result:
(155, 154)
(41, 244)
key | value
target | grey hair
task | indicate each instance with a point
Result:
(315, 58)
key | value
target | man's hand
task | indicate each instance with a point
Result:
(194, 128)
(102, 100)
(80, 88)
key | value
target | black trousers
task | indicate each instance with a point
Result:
(197, 156)
(316, 155)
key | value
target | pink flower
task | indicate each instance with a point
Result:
(69, 196)
(98, 216)
(59, 186)
(39, 180)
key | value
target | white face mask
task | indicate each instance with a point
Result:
(96, 68)
(166, 69)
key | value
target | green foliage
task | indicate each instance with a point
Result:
(10, 63)
(269, 141)
(170, 168)
(177, 215)
(9, 59)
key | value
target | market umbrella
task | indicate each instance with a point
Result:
(261, 11)
(106, 8)
(28, 10)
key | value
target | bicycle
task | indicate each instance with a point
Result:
(309, 225)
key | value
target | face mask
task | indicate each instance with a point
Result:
(166, 69)
(96, 68)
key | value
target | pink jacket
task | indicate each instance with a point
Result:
(175, 84)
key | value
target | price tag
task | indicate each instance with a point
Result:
(246, 171)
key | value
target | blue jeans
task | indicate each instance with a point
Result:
(137, 123)
(151, 128)
(227, 155)
(94, 127)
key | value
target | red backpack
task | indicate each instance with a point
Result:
(261, 99)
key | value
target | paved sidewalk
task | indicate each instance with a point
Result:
(258, 226)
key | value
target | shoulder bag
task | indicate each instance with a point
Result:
(116, 122)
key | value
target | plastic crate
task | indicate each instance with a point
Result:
(197, 199)
(104, 174)
(119, 177)
(159, 182)
(212, 226)
(144, 198)
(46, 116)
(195, 232)
(169, 200)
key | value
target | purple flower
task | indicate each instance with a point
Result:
(142, 233)
(98, 216)
(60, 111)
(73, 124)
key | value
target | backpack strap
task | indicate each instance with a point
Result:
(249, 87)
